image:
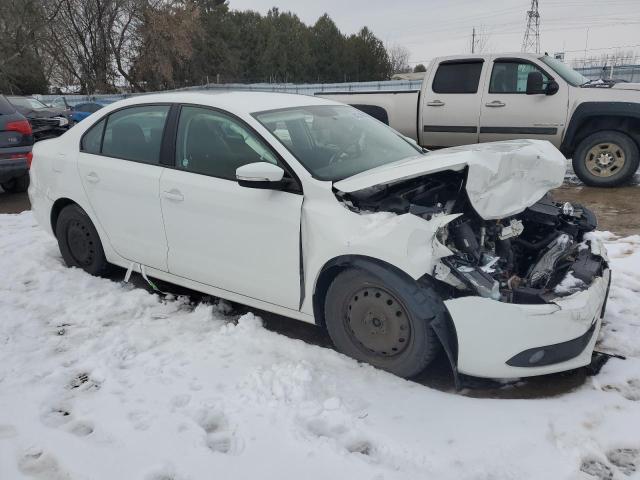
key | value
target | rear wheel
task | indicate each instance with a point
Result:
(384, 323)
(606, 159)
(16, 185)
(79, 241)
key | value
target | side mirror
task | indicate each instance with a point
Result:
(552, 88)
(260, 175)
(534, 83)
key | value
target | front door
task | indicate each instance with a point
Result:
(240, 239)
(450, 105)
(120, 171)
(509, 113)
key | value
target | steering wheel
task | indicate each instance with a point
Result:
(351, 150)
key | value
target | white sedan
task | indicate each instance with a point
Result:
(313, 210)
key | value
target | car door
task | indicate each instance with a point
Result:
(119, 165)
(244, 240)
(450, 105)
(509, 113)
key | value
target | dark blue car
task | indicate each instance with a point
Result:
(79, 111)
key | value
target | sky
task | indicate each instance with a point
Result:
(430, 28)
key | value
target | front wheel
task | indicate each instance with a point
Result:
(79, 241)
(606, 159)
(383, 323)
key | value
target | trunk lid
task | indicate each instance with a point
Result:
(504, 178)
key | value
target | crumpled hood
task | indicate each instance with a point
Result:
(504, 178)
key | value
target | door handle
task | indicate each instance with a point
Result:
(495, 103)
(173, 195)
(436, 103)
(92, 177)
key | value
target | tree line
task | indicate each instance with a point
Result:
(101, 46)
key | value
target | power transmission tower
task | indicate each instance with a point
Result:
(531, 40)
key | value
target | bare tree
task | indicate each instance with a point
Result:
(399, 58)
(163, 45)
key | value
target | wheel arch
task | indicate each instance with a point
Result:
(332, 268)
(443, 325)
(56, 208)
(591, 117)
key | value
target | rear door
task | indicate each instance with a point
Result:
(450, 105)
(509, 113)
(119, 165)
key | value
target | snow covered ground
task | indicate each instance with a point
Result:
(101, 380)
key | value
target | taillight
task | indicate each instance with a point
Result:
(21, 126)
(29, 159)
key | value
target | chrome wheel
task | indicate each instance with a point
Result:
(605, 159)
(377, 321)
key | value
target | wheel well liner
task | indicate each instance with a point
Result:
(590, 117)
(57, 207)
(442, 325)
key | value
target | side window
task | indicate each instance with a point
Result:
(5, 107)
(135, 133)
(215, 144)
(92, 138)
(457, 77)
(511, 77)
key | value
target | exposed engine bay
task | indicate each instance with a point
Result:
(532, 257)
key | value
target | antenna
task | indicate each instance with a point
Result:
(531, 40)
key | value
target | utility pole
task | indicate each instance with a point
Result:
(531, 40)
(473, 40)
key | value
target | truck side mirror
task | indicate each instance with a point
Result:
(552, 87)
(534, 84)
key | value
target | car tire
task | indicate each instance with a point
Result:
(606, 159)
(390, 327)
(79, 241)
(16, 185)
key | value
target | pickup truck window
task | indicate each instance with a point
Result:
(511, 76)
(336, 142)
(457, 77)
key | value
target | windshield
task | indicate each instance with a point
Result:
(336, 141)
(566, 72)
(26, 102)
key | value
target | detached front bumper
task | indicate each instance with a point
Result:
(507, 340)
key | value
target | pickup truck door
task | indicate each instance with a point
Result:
(450, 104)
(509, 113)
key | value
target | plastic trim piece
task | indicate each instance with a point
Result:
(560, 352)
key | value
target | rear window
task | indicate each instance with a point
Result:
(457, 77)
(5, 107)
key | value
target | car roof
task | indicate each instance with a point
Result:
(483, 56)
(237, 102)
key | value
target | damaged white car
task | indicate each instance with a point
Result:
(314, 210)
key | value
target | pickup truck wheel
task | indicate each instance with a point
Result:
(606, 159)
(79, 241)
(383, 323)
(16, 185)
